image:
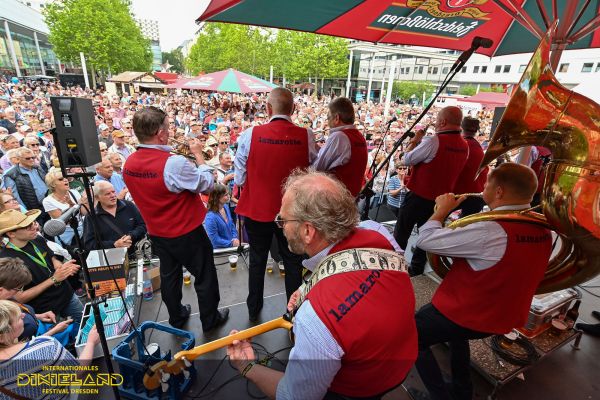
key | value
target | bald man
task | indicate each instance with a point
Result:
(486, 291)
(355, 331)
(436, 162)
(266, 156)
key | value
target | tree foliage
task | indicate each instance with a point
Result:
(103, 30)
(295, 55)
(406, 89)
(467, 90)
(175, 58)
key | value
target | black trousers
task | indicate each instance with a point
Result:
(414, 210)
(260, 235)
(433, 327)
(471, 205)
(195, 251)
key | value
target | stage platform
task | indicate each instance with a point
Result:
(564, 374)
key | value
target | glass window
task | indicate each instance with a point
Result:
(564, 67)
(484, 69)
(464, 69)
(445, 70)
(597, 68)
(506, 69)
(587, 67)
(498, 69)
(476, 69)
(522, 67)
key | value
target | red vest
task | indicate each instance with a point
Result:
(276, 149)
(429, 180)
(539, 166)
(497, 299)
(352, 173)
(166, 214)
(467, 182)
(371, 316)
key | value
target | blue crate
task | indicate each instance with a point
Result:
(133, 370)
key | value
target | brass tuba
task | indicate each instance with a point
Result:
(542, 112)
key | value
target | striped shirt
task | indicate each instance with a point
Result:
(397, 200)
(38, 353)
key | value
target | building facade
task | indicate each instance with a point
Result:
(24, 46)
(150, 31)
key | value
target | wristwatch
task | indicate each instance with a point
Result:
(55, 281)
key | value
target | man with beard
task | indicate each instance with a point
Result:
(335, 354)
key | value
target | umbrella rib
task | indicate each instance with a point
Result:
(576, 20)
(586, 29)
(554, 10)
(519, 9)
(518, 17)
(544, 14)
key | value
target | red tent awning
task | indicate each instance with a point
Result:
(167, 77)
(489, 99)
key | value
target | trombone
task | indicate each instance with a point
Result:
(182, 147)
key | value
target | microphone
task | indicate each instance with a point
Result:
(57, 226)
(392, 120)
(477, 42)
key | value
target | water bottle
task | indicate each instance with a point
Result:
(147, 292)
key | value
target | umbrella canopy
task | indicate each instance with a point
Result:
(489, 99)
(450, 24)
(228, 80)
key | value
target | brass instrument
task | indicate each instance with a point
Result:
(182, 148)
(542, 112)
(161, 370)
(457, 196)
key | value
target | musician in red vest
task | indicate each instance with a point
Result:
(491, 283)
(539, 158)
(355, 333)
(468, 181)
(436, 164)
(345, 153)
(266, 156)
(166, 188)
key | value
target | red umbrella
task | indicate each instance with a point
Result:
(228, 80)
(450, 24)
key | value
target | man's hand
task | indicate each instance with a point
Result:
(444, 204)
(66, 270)
(235, 243)
(122, 194)
(124, 241)
(240, 353)
(293, 299)
(228, 177)
(48, 316)
(195, 146)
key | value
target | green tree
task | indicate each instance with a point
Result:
(406, 89)
(103, 30)
(295, 55)
(467, 90)
(175, 58)
(497, 89)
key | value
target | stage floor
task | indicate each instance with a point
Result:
(565, 374)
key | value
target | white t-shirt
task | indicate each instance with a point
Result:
(50, 203)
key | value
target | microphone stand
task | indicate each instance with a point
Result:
(366, 192)
(91, 290)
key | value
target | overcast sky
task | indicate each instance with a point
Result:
(175, 18)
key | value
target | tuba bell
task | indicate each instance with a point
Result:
(542, 112)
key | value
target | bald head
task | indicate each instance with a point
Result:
(280, 102)
(448, 119)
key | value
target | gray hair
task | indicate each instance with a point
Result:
(101, 186)
(324, 202)
(22, 150)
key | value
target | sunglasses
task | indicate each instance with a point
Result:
(213, 145)
(280, 222)
(34, 145)
(223, 142)
(28, 158)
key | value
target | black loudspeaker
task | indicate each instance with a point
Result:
(76, 135)
(498, 111)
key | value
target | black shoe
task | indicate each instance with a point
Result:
(222, 316)
(592, 329)
(596, 314)
(183, 319)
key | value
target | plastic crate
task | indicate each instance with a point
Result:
(133, 370)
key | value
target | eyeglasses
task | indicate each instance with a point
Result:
(213, 145)
(103, 150)
(281, 222)
(32, 226)
(223, 142)
(28, 158)
(20, 290)
(34, 145)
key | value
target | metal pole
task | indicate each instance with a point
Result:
(349, 73)
(39, 53)
(383, 80)
(271, 74)
(11, 47)
(85, 75)
(371, 66)
(388, 94)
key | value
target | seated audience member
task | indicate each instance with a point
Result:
(26, 181)
(218, 223)
(14, 275)
(48, 289)
(8, 201)
(40, 355)
(119, 221)
(105, 172)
